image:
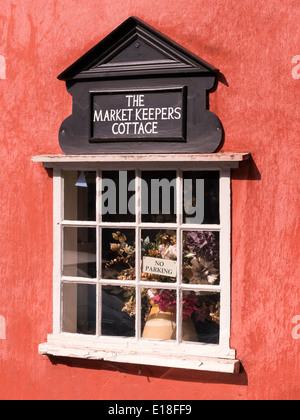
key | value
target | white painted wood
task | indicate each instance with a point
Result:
(140, 158)
(98, 253)
(169, 353)
(179, 212)
(145, 346)
(225, 257)
(213, 161)
(57, 248)
(74, 279)
(128, 351)
(78, 223)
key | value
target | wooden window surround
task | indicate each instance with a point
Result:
(177, 352)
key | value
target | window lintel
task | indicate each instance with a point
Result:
(222, 159)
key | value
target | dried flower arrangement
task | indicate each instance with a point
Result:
(124, 258)
(201, 256)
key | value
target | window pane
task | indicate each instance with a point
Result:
(159, 196)
(79, 308)
(118, 254)
(79, 257)
(201, 197)
(79, 195)
(201, 259)
(159, 314)
(118, 311)
(159, 255)
(118, 196)
(201, 317)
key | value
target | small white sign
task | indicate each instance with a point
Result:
(159, 266)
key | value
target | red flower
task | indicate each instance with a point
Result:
(166, 300)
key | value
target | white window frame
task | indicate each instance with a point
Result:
(210, 357)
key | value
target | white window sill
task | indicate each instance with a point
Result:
(154, 353)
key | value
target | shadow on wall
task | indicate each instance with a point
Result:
(247, 171)
(156, 372)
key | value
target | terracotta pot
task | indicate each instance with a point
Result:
(162, 326)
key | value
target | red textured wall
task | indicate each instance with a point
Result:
(253, 43)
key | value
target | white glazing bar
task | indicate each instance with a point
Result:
(138, 312)
(99, 310)
(179, 211)
(179, 315)
(225, 257)
(117, 282)
(118, 225)
(165, 226)
(201, 227)
(58, 205)
(138, 262)
(158, 285)
(99, 196)
(99, 252)
(78, 223)
(179, 197)
(138, 218)
(99, 220)
(201, 287)
(82, 280)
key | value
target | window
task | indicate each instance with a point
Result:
(142, 264)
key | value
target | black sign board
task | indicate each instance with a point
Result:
(138, 115)
(139, 92)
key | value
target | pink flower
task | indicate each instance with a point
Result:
(171, 252)
(168, 251)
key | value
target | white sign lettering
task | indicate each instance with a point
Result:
(156, 114)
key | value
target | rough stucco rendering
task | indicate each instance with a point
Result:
(255, 45)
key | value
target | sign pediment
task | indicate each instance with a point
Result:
(135, 48)
(137, 91)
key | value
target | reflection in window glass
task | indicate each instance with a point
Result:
(159, 255)
(79, 257)
(79, 308)
(158, 196)
(118, 311)
(118, 254)
(159, 314)
(118, 196)
(79, 195)
(201, 258)
(201, 197)
(201, 317)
